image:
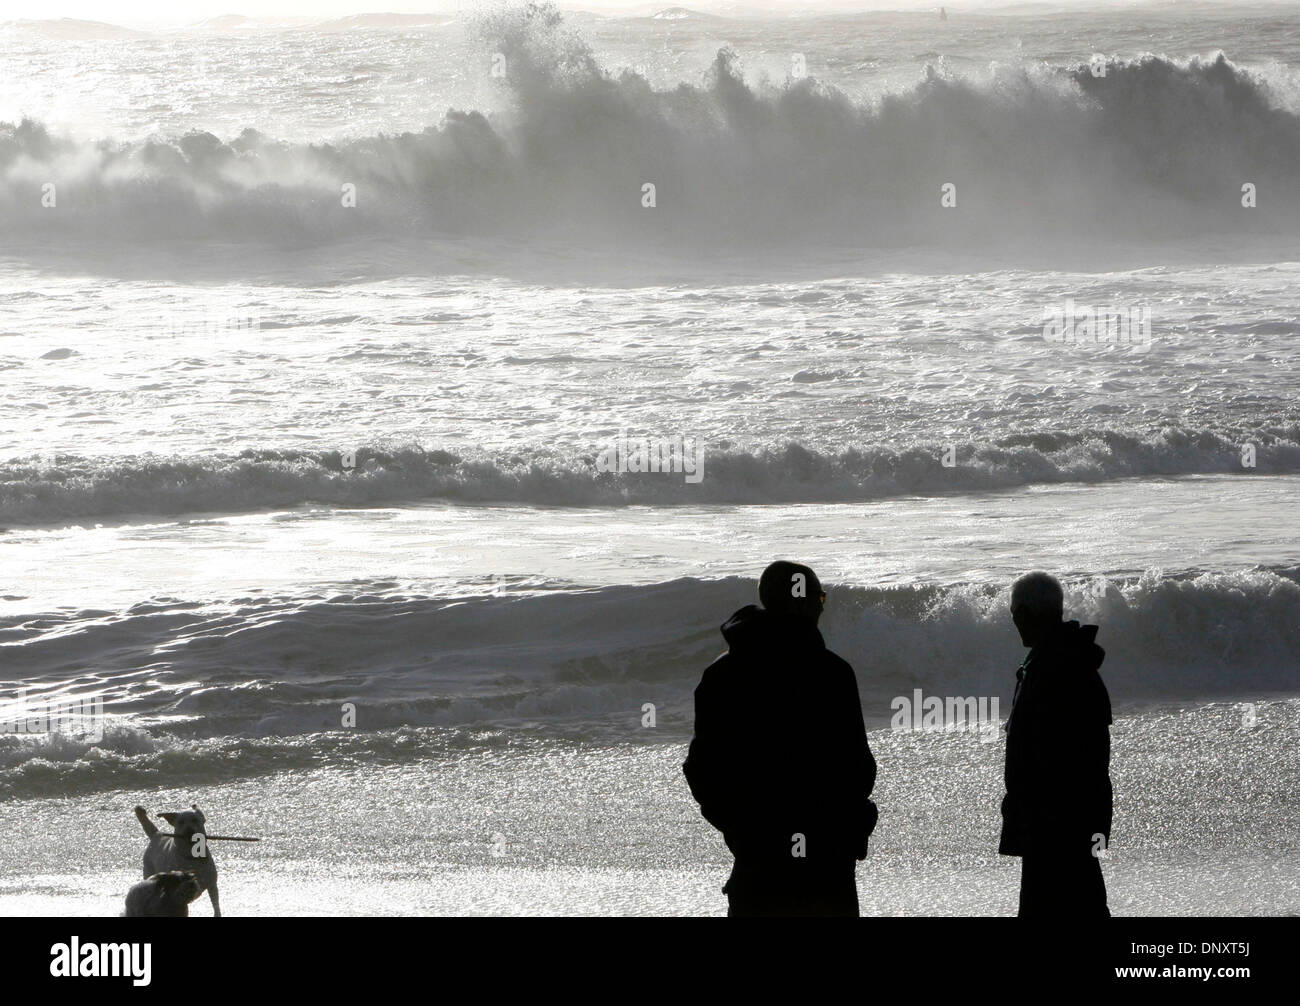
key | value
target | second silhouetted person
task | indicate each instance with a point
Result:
(1057, 811)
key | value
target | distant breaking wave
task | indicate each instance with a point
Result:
(257, 686)
(71, 488)
(1154, 149)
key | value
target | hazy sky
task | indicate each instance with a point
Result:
(142, 13)
(132, 12)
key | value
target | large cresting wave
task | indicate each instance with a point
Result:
(1156, 148)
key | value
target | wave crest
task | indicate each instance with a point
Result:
(1156, 148)
(261, 689)
(71, 488)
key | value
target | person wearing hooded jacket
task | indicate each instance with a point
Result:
(1058, 807)
(779, 762)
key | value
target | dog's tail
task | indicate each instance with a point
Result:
(149, 827)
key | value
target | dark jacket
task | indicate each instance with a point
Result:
(1058, 748)
(780, 747)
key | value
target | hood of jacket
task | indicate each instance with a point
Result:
(1071, 651)
(1073, 642)
(756, 630)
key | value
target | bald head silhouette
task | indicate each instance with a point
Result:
(1037, 606)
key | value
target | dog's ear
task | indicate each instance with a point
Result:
(169, 818)
(195, 808)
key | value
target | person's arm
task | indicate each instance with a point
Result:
(862, 763)
(707, 756)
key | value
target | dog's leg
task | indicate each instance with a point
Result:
(149, 827)
(216, 902)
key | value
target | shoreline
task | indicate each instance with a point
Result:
(1202, 828)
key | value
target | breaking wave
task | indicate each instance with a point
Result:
(71, 488)
(197, 695)
(1156, 148)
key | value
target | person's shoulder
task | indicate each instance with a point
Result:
(836, 660)
(839, 667)
(722, 668)
(724, 659)
(1069, 675)
(1068, 668)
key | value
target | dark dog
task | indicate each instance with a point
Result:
(187, 851)
(164, 895)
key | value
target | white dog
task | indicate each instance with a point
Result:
(164, 895)
(188, 850)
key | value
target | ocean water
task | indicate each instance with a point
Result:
(314, 337)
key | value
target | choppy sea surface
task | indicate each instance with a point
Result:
(313, 337)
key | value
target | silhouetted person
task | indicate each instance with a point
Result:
(1056, 814)
(779, 762)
